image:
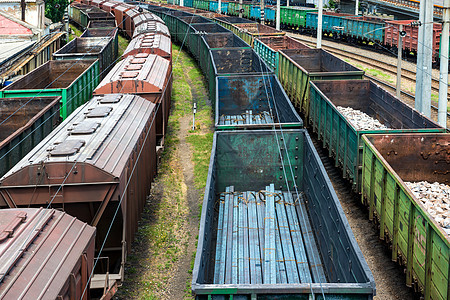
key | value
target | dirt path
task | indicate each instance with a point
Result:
(160, 263)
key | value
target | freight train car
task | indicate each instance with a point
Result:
(46, 254)
(403, 184)
(297, 67)
(262, 187)
(97, 48)
(73, 80)
(24, 122)
(97, 164)
(336, 114)
(146, 75)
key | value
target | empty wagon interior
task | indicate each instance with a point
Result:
(252, 100)
(52, 75)
(234, 20)
(194, 20)
(416, 157)
(17, 112)
(209, 28)
(224, 40)
(318, 61)
(246, 167)
(84, 45)
(238, 61)
(373, 100)
(282, 42)
(256, 28)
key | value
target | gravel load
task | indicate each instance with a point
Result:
(436, 199)
(361, 120)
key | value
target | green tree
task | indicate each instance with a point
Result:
(54, 9)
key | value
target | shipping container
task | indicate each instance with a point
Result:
(268, 47)
(101, 48)
(46, 254)
(418, 241)
(151, 43)
(294, 16)
(298, 66)
(253, 102)
(151, 27)
(368, 29)
(24, 123)
(227, 62)
(72, 80)
(331, 22)
(217, 41)
(259, 173)
(146, 75)
(104, 32)
(342, 136)
(89, 167)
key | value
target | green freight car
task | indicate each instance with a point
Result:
(418, 241)
(268, 46)
(243, 163)
(294, 16)
(201, 4)
(72, 80)
(297, 67)
(342, 135)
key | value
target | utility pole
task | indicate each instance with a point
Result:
(219, 9)
(278, 17)
(262, 11)
(399, 60)
(23, 6)
(424, 56)
(319, 25)
(357, 7)
(181, 2)
(240, 8)
(443, 79)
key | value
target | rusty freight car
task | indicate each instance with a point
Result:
(146, 75)
(151, 43)
(44, 254)
(99, 163)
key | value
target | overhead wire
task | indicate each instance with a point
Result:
(280, 150)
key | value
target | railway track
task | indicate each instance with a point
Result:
(386, 67)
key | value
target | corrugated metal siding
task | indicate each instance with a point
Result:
(51, 253)
(107, 149)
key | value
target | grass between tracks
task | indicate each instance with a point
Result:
(162, 239)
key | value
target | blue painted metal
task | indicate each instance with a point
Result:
(286, 242)
(269, 244)
(261, 223)
(234, 261)
(315, 261)
(219, 240)
(269, 14)
(279, 258)
(240, 246)
(229, 248)
(299, 250)
(246, 268)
